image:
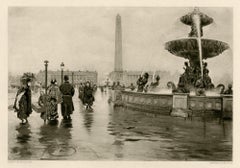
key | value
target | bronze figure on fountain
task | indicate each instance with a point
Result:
(141, 82)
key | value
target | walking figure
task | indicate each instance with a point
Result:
(88, 97)
(54, 93)
(67, 91)
(23, 103)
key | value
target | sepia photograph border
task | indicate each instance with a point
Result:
(4, 162)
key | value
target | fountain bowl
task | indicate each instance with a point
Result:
(188, 48)
(204, 19)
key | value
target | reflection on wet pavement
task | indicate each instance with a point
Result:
(108, 133)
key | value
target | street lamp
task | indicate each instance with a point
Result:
(72, 78)
(46, 66)
(62, 67)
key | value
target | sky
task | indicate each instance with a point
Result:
(84, 38)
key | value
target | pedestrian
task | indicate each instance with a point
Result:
(54, 93)
(23, 102)
(41, 104)
(88, 97)
(80, 92)
(67, 91)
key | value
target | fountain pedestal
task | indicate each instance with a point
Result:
(180, 105)
(180, 101)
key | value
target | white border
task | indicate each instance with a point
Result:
(100, 3)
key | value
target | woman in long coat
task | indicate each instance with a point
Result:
(23, 103)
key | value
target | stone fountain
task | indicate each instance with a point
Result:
(195, 78)
(196, 49)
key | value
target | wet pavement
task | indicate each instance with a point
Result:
(109, 133)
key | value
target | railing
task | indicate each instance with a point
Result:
(151, 102)
(164, 103)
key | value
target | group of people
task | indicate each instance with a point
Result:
(86, 94)
(48, 101)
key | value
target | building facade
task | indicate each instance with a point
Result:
(75, 77)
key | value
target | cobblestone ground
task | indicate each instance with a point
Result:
(117, 134)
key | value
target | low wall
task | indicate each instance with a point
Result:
(164, 103)
(205, 105)
(227, 106)
(150, 102)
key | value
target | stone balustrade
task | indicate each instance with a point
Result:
(221, 105)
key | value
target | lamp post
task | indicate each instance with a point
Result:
(62, 67)
(46, 66)
(72, 78)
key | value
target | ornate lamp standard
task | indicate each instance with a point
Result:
(46, 66)
(62, 67)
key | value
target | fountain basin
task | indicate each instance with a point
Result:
(219, 106)
(188, 48)
(204, 19)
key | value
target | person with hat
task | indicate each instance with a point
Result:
(23, 100)
(80, 91)
(88, 97)
(67, 91)
(54, 94)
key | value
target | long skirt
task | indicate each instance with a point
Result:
(22, 112)
(51, 112)
(88, 100)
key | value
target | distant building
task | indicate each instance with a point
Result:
(75, 77)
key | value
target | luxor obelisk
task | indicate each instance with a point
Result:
(118, 70)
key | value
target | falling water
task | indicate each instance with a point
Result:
(142, 73)
(196, 20)
(153, 77)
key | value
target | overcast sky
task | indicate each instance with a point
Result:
(83, 38)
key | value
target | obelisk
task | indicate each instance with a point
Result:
(118, 45)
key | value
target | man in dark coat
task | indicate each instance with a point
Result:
(67, 91)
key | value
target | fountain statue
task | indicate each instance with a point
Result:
(196, 49)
